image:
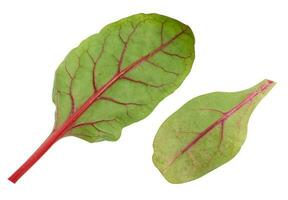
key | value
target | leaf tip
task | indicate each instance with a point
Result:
(266, 85)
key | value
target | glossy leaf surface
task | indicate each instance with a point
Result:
(205, 133)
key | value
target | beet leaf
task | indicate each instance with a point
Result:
(205, 133)
(117, 77)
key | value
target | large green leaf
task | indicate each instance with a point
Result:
(138, 61)
(117, 77)
(205, 133)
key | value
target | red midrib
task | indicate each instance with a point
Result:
(99, 92)
(61, 131)
(224, 117)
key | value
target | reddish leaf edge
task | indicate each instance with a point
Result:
(61, 131)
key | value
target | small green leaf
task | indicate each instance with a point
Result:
(205, 133)
(117, 77)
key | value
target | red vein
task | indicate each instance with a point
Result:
(142, 82)
(162, 68)
(120, 36)
(67, 71)
(95, 62)
(60, 132)
(219, 144)
(98, 129)
(126, 104)
(91, 123)
(70, 89)
(221, 120)
(70, 85)
(119, 102)
(214, 110)
(125, 44)
(161, 31)
(118, 76)
(174, 54)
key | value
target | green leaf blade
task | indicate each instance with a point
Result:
(134, 63)
(205, 133)
(116, 77)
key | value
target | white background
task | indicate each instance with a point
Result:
(238, 43)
